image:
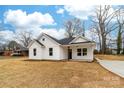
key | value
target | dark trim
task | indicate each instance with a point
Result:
(39, 42)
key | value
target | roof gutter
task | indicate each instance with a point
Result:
(79, 44)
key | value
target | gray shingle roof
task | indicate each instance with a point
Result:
(62, 41)
(66, 41)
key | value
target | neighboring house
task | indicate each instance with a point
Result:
(13, 49)
(112, 45)
(48, 48)
(21, 51)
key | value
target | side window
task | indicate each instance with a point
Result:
(84, 51)
(79, 52)
(34, 51)
(50, 51)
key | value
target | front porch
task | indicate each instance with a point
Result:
(79, 52)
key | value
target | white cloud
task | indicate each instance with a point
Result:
(6, 35)
(60, 11)
(79, 11)
(20, 19)
(36, 31)
(30, 22)
(59, 34)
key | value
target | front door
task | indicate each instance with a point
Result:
(69, 53)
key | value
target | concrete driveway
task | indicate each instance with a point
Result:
(116, 67)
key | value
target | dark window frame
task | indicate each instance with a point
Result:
(79, 52)
(84, 51)
(50, 51)
(34, 51)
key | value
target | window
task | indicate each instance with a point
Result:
(43, 39)
(34, 51)
(84, 51)
(50, 51)
(79, 52)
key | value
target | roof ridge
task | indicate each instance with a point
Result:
(55, 39)
(38, 42)
(63, 41)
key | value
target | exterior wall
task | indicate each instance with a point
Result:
(79, 40)
(59, 52)
(48, 43)
(38, 49)
(63, 53)
(88, 57)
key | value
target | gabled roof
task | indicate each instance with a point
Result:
(64, 41)
(39, 42)
(35, 41)
(84, 38)
(53, 38)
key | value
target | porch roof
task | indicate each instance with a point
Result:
(80, 43)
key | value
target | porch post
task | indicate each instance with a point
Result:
(68, 53)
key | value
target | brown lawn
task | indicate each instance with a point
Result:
(16, 72)
(111, 57)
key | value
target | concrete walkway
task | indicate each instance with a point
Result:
(116, 67)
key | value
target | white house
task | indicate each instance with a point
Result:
(48, 48)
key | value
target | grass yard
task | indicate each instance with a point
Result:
(111, 57)
(16, 72)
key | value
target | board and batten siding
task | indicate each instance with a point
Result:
(48, 43)
(88, 57)
(38, 51)
(63, 53)
(59, 52)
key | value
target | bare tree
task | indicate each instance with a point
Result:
(2, 39)
(104, 24)
(74, 27)
(24, 37)
(96, 33)
(120, 21)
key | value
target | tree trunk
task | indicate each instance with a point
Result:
(119, 39)
(100, 46)
(123, 51)
(103, 45)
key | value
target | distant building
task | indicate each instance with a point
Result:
(13, 49)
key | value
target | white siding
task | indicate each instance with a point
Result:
(88, 57)
(63, 53)
(48, 43)
(79, 40)
(38, 51)
(59, 52)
